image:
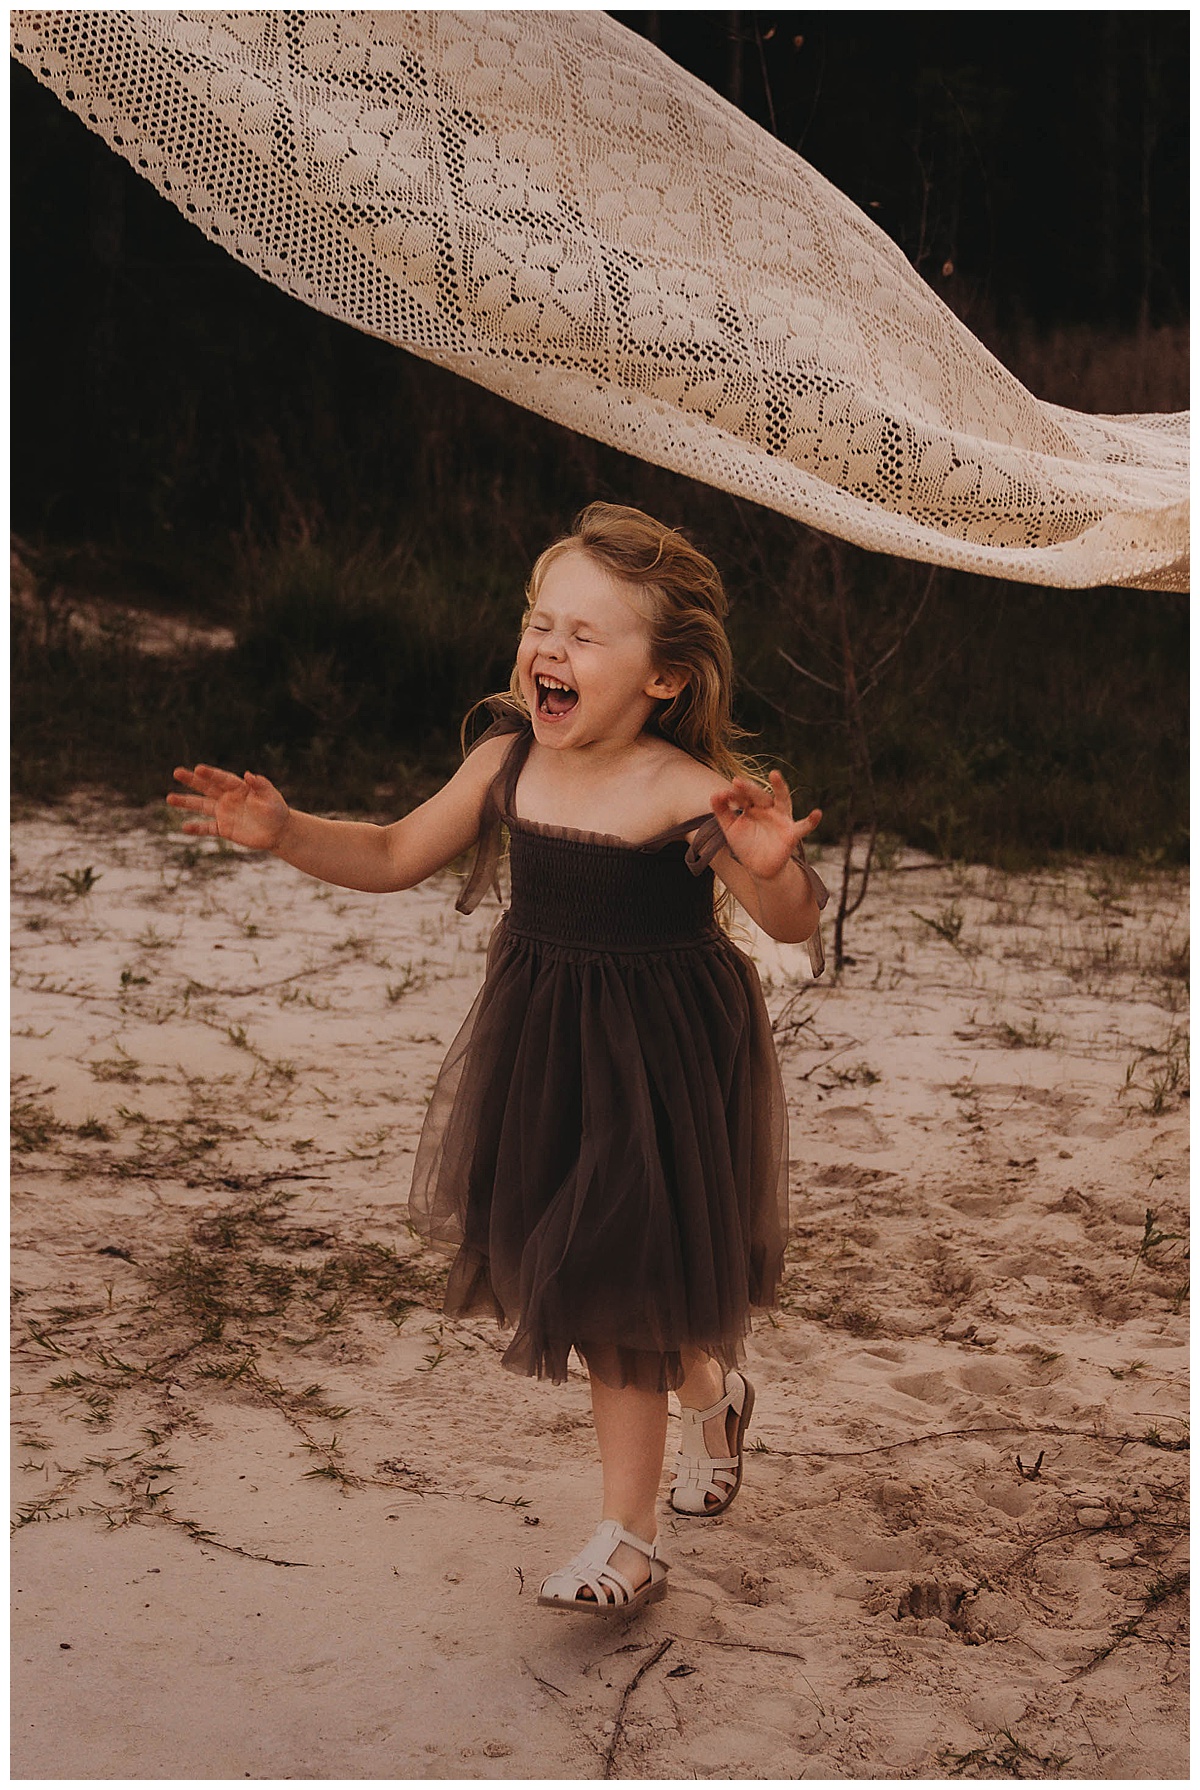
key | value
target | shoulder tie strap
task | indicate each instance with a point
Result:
(709, 840)
(507, 718)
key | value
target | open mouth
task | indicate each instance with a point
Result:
(554, 697)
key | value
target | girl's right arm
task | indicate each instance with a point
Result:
(250, 811)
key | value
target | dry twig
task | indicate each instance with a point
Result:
(618, 1725)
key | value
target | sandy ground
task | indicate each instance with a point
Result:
(276, 1519)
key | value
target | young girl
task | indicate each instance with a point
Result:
(606, 1146)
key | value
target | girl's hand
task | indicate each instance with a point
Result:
(758, 824)
(245, 810)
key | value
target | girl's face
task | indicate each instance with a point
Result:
(587, 632)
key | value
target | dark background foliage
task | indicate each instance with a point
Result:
(185, 436)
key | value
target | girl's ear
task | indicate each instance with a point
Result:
(664, 686)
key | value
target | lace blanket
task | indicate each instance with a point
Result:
(546, 204)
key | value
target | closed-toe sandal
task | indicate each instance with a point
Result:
(698, 1474)
(612, 1593)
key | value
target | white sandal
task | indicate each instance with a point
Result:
(698, 1475)
(612, 1591)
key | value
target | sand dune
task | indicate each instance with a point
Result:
(276, 1518)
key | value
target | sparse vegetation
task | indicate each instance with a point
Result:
(245, 1264)
(80, 882)
(412, 979)
(32, 1126)
(857, 1075)
(1002, 1756)
(1153, 1241)
(947, 925)
(1026, 1037)
(1161, 1590)
(120, 1068)
(1160, 1073)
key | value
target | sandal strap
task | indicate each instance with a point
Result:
(648, 1548)
(691, 1415)
(603, 1545)
(695, 1464)
(729, 1402)
(592, 1568)
(610, 1576)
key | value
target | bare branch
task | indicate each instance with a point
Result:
(825, 685)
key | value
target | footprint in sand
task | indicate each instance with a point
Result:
(930, 1388)
(852, 1126)
(986, 1378)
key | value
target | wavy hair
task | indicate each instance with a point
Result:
(687, 607)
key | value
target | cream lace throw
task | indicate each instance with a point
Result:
(544, 203)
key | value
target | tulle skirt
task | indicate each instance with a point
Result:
(606, 1152)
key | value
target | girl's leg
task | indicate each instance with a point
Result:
(631, 1428)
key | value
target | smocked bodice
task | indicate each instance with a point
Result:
(590, 890)
(605, 896)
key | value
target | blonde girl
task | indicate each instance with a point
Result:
(605, 1151)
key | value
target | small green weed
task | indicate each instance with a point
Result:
(80, 882)
(354, 945)
(1003, 1756)
(858, 1075)
(94, 1128)
(947, 925)
(1157, 1593)
(1181, 1444)
(31, 1126)
(211, 859)
(122, 1067)
(1030, 1037)
(1160, 1589)
(1153, 1239)
(1160, 1073)
(412, 979)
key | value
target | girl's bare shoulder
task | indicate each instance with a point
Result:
(686, 785)
(486, 756)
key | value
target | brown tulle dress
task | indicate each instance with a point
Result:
(606, 1146)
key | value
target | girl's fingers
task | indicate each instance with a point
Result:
(207, 777)
(741, 794)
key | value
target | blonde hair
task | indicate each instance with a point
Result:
(687, 608)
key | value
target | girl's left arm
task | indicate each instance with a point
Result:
(758, 866)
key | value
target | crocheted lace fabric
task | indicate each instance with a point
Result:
(544, 203)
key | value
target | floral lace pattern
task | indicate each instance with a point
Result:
(544, 203)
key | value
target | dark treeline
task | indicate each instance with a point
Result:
(1030, 165)
(185, 435)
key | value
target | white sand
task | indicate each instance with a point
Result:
(879, 1603)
